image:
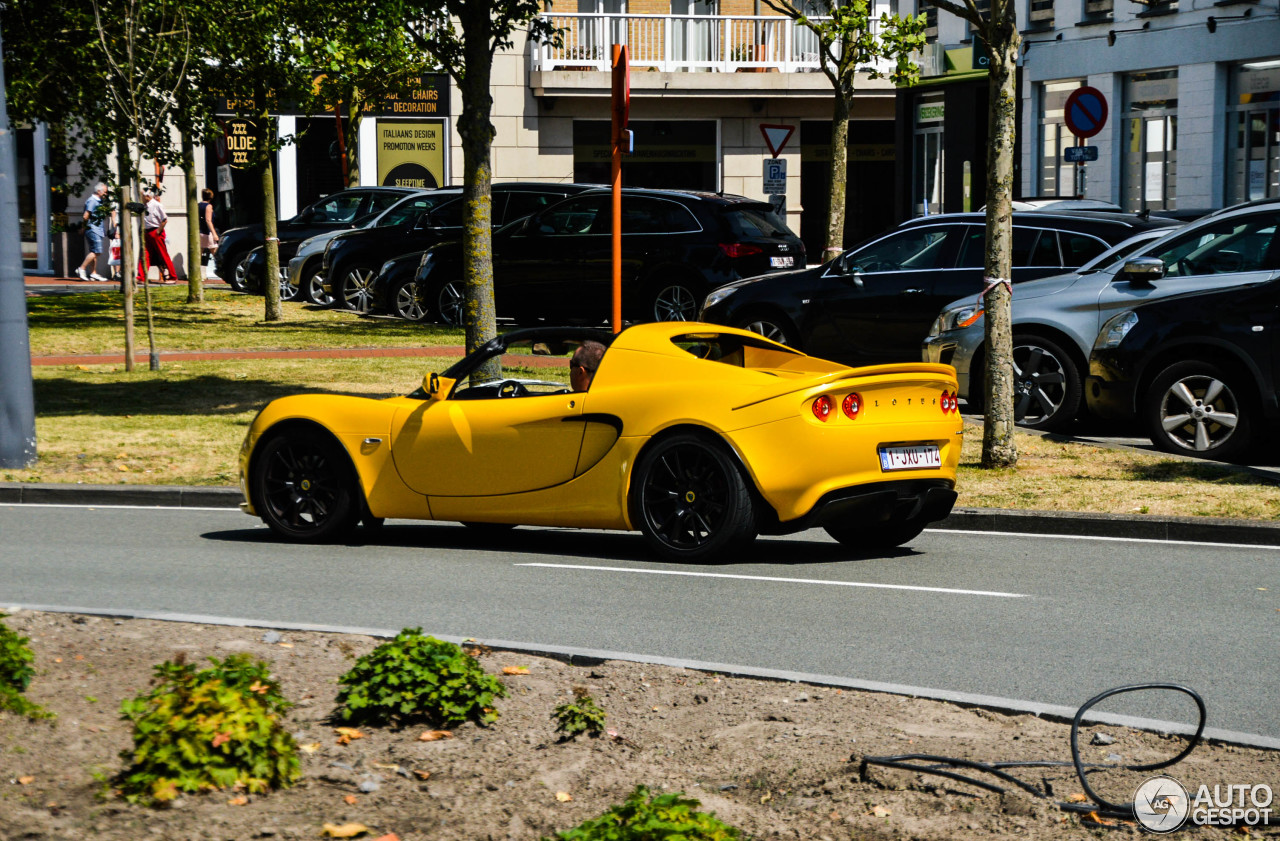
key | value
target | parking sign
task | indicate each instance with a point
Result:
(775, 176)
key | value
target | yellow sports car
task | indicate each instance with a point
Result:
(698, 435)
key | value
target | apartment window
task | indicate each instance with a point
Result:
(1057, 177)
(1098, 11)
(930, 23)
(1041, 14)
(1151, 140)
(1254, 131)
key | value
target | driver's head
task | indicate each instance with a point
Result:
(583, 364)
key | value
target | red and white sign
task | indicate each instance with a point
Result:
(776, 136)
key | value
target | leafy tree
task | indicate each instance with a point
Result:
(849, 44)
(999, 30)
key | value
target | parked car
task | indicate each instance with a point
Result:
(700, 437)
(875, 302)
(1199, 371)
(351, 259)
(409, 206)
(404, 295)
(677, 245)
(339, 211)
(1055, 320)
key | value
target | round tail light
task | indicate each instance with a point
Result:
(950, 403)
(852, 404)
(822, 408)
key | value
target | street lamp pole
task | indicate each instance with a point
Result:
(17, 402)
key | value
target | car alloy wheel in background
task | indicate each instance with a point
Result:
(690, 501)
(239, 280)
(675, 302)
(356, 294)
(449, 303)
(1196, 407)
(771, 328)
(408, 302)
(287, 290)
(1047, 388)
(315, 290)
(304, 488)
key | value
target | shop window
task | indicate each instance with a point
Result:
(1254, 126)
(1056, 176)
(1150, 145)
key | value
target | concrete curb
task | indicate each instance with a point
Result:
(1064, 523)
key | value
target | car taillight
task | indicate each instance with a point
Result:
(852, 404)
(949, 403)
(740, 249)
(822, 408)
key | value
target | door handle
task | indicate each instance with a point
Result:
(912, 292)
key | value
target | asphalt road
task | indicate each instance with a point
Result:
(1017, 621)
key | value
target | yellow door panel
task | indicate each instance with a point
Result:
(488, 447)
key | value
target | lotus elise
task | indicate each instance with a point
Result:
(697, 435)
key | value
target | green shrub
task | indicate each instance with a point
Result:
(666, 817)
(207, 730)
(16, 672)
(414, 677)
(581, 715)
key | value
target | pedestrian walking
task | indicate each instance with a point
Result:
(154, 220)
(94, 213)
(208, 232)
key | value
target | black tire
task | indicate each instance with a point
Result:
(408, 302)
(775, 327)
(315, 288)
(1046, 388)
(690, 501)
(876, 537)
(1198, 408)
(355, 291)
(674, 300)
(304, 487)
(449, 303)
(239, 279)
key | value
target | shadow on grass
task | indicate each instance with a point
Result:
(539, 542)
(1181, 471)
(204, 395)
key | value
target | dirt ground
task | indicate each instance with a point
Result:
(775, 760)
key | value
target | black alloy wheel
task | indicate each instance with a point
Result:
(1046, 384)
(449, 304)
(1197, 408)
(304, 487)
(690, 500)
(408, 301)
(356, 289)
(675, 301)
(239, 280)
(771, 327)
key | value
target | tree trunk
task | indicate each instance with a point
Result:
(195, 269)
(128, 256)
(477, 134)
(838, 175)
(270, 230)
(999, 448)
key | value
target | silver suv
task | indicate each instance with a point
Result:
(1056, 319)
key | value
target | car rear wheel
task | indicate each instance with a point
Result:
(1046, 385)
(449, 303)
(239, 280)
(872, 537)
(1198, 408)
(771, 327)
(287, 290)
(408, 301)
(315, 290)
(675, 301)
(356, 291)
(304, 487)
(690, 500)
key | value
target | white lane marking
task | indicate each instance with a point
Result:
(91, 506)
(775, 579)
(1159, 540)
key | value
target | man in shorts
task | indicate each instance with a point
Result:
(93, 216)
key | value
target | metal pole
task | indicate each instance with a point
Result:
(17, 400)
(616, 194)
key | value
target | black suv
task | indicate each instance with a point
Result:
(875, 302)
(337, 211)
(352, 258)
(676, 247)
(1199, 370)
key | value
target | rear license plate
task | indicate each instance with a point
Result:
(918, 457)
(782, 262)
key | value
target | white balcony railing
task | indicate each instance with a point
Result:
(673, 43)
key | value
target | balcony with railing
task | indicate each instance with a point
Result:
(680, 43)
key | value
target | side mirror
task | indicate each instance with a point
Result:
(1143, 270)
(431, 384)
(841, 264)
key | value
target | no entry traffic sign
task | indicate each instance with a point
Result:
(1085, 112)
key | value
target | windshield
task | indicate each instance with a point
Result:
(1114, 256)
(408, 209)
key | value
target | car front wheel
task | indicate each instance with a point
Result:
(771, 327)
(675, 301)
(315, 290)
(1198, 408)
(239, 279)
(356, 291)
(1046, 384)
(690, 500)
(408, 303)
(449, 303)
(304, 487)
(287, 290)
